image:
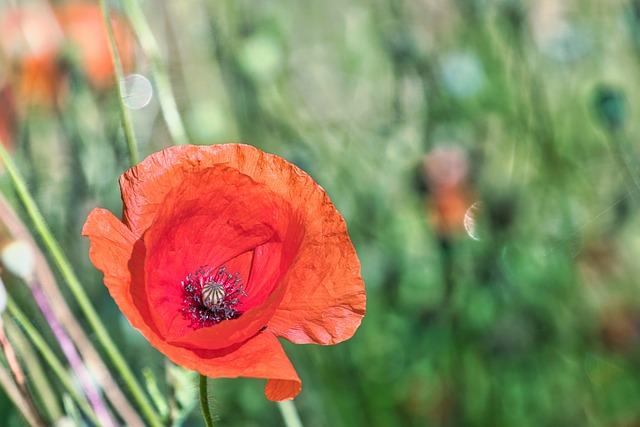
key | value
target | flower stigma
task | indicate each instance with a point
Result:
(211, 297)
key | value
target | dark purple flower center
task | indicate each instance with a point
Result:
(211, 297)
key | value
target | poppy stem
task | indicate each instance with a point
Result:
(18, 377)
(71, 353)
(77, 290)
(49, 357)
(41, 388)
(18, 231)
(289, 413)
(127, 123)
(12, 391)
(204, 402)
(163, 86)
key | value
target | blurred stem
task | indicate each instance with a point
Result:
(127, 123)
(289, 413)
(446, 252)
(77, 290)
(17, 230)
(18, 377)
(49, 357)
(617, 143)
(450, 315)
(39, 382)
(13, 393)
(70, 352)
(165, 93)
(156, 396)
(72, 413)
(204, 402)
(531, 106)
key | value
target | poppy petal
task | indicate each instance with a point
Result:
(259, 357)
(112, 251)
(210, 218)
(145, 186)
(278, 390)
(325, 300)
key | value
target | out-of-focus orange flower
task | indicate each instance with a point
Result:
(31, 39)
(444, 171)
(84, 28)
(221, 250)
(447, 211)
(29, 30)
(34, 37)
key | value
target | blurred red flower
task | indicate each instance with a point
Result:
(221, 250)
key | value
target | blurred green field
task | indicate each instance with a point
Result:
(533, 320)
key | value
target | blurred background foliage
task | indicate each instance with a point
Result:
(483, 154)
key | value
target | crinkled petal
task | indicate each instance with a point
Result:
(325, 298)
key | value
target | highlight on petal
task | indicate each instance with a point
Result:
(223, 249)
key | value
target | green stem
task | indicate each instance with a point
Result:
(17, 230)
(289, 413)
(49, 357)
(127, 123)
(41, 388)
(204, 402)
(19, 379)
(154, 391)
(617, 143)
(163, 86)
(11, 390)
(77, 290)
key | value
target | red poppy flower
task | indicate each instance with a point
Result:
(222, 249)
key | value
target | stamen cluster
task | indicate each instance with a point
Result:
(206, 310)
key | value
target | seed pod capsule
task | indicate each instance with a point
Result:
(212, 294)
